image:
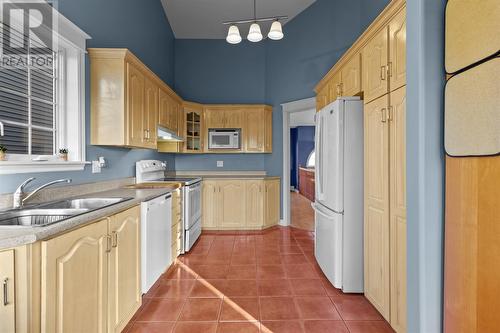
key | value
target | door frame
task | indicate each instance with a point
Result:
(289, 108)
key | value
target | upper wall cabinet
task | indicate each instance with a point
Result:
(397, 51)
(223, 116)
(125, 100)
(375, 63)
(351, 76)
(193, 128)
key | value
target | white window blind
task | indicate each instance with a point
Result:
(27, 99)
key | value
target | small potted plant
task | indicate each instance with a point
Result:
(63, 154)
(3, 153)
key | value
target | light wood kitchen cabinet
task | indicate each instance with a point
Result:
(124, 100)
(74, 289)
(8, 302)
(385, 206)
(397, 51)
(214, 118)
(136, 114)
(254, 132)
(376, 241)
(169, 110)
(351, 76)
(223, 116)
(90, 277)
(272, 202)
(210, 204)
(334, 88)
(397, 210)
(322, 98)
(232, 203)
(268, 127)
(193, 128)
(375, 62)
(150, 114)
(240, 204)
(124, 292)
(254, 203)
(176, 224)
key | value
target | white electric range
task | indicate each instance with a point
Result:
(154, 171)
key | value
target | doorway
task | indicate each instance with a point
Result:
(298, 163)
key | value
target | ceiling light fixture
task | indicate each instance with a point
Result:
(233, 35)
(255, 34)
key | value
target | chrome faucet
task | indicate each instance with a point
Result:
(20, 196)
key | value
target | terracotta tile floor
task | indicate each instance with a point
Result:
(263, 282)
(302, 214)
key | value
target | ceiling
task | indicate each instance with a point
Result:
(202, 19)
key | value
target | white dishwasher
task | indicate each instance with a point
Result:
(156, 239)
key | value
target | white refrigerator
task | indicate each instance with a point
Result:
(339, 193)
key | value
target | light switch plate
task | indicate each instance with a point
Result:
(96, 167)
(220, 164)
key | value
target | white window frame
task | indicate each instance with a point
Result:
(70, 47)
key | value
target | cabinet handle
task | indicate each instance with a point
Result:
(389, 69)
(5, 292)
(146, 135)
(114, 239)
(260, 189)
(108, 243)
(391, 113)
(383, 71)
(383, 115)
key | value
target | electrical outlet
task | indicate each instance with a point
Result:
(96, 167)
(220, 164)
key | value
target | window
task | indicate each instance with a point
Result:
(42, 107)
(311, 160)
(28, 104)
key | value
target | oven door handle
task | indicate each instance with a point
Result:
(194, 187)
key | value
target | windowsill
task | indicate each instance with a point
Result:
(13, 167)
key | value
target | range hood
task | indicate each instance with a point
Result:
(166, 135)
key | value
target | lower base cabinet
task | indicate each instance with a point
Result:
(7, 305)
(176, 224)
(240, 204)
(90, 277)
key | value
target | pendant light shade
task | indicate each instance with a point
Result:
(276, 32)
(254, 35)
(233, 35)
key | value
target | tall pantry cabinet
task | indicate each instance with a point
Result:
(385, 170)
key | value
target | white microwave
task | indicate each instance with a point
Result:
(224, 138)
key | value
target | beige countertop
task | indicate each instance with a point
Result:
(238, 177)
(18, 236)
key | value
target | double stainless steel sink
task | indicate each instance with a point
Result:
(45, 214)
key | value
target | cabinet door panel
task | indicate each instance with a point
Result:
(376, 136)
(351, 76)
(268, 126)
(254, 131)
(124, 262)
(255, 203)
(272, 202)
(135, 106)
(210, 204)
(233, 119)
(397, 196)
(334, 88)
(214, 118)
(164, 109)
(74, 281)
(7, 305)
(150, 116)
(375, 80)
(322, 98)
(232, 203)
(397, 51)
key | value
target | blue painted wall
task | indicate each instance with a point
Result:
(324, 32)
(144, 29)
(294, 177)
(301, 145)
